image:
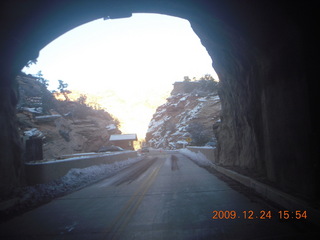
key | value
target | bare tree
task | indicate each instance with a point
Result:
(63, 89)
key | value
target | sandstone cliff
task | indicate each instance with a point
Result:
(189, 114)
(64, 127)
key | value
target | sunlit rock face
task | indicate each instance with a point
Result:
(191, 109)
(261, 51)
(64, 127)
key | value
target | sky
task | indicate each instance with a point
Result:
(129, 64)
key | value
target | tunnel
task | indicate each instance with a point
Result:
(262, 51)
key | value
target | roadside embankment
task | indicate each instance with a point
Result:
(208, 152)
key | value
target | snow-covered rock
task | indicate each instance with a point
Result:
(66, 127)
(47, 118)
(33, 109)
(169, 126)
(34, 132)
(111, 127)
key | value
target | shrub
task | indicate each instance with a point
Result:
(199, 135)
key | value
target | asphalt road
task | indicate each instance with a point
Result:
(165, 196)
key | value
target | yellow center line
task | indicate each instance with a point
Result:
(138, 202)
(132, 205)
(129, 203)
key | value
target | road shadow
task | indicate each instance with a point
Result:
(140, 168)
(174, 163)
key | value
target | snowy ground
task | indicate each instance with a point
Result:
(32, 196)
(199, 158)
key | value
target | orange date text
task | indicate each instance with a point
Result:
(260, 215)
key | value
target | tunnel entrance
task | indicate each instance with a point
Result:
(262, 59)
(125, 66)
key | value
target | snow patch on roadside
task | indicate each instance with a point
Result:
(75, 179)
(198, 157)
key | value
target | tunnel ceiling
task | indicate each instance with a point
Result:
(34, 24)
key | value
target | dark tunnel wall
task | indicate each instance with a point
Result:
(265, 124)
(260, 50)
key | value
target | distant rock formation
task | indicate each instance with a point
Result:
(187, 117)
(69, 127)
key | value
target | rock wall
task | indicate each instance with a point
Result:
(265, 119)
(11, 166)
(64, 127)
(189, 112)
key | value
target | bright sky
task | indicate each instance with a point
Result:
(129, 64)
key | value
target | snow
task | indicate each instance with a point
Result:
(216, 97)
(184, 98)
(48, 116)
(154, 124)
(161, 111)
(34, 132)
(198, 157)
(204, 147)
(182, 142)
(82, 154)
(190, 106)
(119, 137)
(75, 158)
(33, 110)
(75, 179)
(91, 174)
(177, 133)
(111, 127)
(195, 110)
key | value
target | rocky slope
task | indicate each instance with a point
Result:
(63, 127)
(189, 114)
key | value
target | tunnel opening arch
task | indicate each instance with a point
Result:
(253, 79)
(129, 63)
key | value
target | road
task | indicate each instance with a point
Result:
(164, 196)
